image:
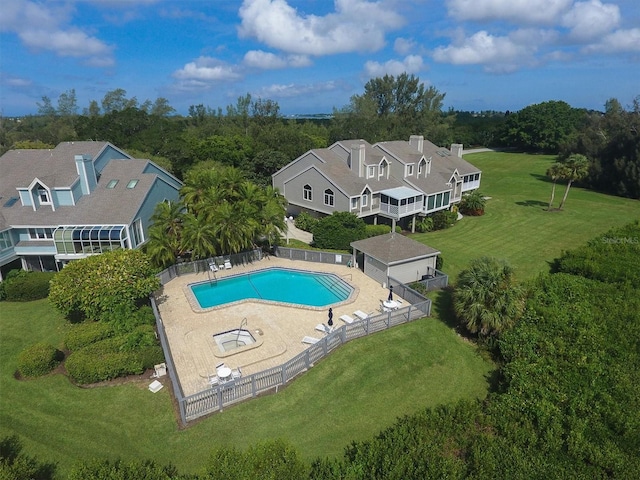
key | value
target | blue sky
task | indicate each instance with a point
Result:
(312, 55)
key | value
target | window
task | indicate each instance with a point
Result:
(307, 193)
(409, 170)
(383, 169)
(438, 200)
(44, 196)
(40, 233)
(354, 203)
(113, 183)
(371, 171)
(137, 233)
(5, 240)
(421, 167)
(365, 200)
(328, 197)
(132, 183)
(446, 198)
(431, 202)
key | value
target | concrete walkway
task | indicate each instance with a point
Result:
(298, 234)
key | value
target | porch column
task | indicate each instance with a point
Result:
(413, 224)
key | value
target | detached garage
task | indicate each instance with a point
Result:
(394, 255)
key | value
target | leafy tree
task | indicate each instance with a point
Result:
(543, 127)
(486, 299)
(124, 470)
(68, 104)
(576, 167)
(338, 230)
(394, 108)
(97, 285)
(15, 465)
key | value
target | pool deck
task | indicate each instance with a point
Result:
(278, 328)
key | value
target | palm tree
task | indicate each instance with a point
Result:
(162, 249)
(234, 227)
(473, 203)
(555, 172)
(197, 185)
(167, 217)
(577, 168)
(485, 298)
(198, 236)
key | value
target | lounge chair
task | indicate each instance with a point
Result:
(236, 373)
(347, 319)
(361, 315)
(310, 340)
(227, 264)
(213, 380)
(321, 327)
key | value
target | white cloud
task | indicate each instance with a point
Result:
(44, 27)
(207, 70)
(497, 54)
(618, 41)
(403, 46)
(270, 61)
(293, 90)
(532, 12)
(410, 64)
(590, 20)
(356, 25)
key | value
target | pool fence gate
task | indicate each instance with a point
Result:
(215, 398)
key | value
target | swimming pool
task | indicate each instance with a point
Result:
(282, 285)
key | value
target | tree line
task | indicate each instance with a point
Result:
(253, 136)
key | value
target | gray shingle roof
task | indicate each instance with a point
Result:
(393, 247)
(57, 169)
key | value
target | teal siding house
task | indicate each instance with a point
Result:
(78, 199)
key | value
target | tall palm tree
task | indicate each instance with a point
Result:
(555, 172)
(234, 227)
(167, 217)
(486, 299)
(197, 187)
(577, 168)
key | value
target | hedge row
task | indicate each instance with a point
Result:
(26, 286)
(82, 334)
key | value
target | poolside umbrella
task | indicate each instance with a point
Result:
(390, 293)
(330, 322)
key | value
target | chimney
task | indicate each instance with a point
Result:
(357, 159)
(456, 150)
(87, 172)
(417, 141)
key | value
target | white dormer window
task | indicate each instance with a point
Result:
(409, 170)
(422, 167)
(371, 171)
(384, 165)
(44, 197)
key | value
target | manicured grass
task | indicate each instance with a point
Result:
(359, 390)
(356, 392)
(516, 225)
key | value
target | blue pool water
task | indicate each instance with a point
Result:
(312, 289)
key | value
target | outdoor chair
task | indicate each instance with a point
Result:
(347, 319)
(213, 380)
(310, 340)
(361, 315)
(227, 264)
(236, 373)
(321, 327)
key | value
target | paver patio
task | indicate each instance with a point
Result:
(278, 329)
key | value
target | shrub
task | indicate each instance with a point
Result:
(305, 222)
(375, 230)
(102, 361)
(83, 334)
(28, 286)
(38, 359)
(473, 204)
(425, 225)
(338, 230)
(444, 219)
(143, 336)
(125, 318)
(439, 262)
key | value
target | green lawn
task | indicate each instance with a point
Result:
(359, 390)
(516, 226)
